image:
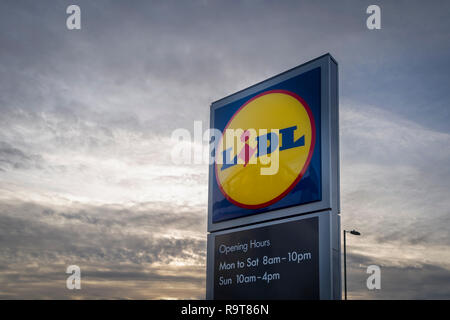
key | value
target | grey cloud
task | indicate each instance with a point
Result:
(395, 177)
(423, 281)
(420, 230)
(136, 283)
(14, 158)
(144, 276)
(201, 51)
(122, 246)
(59, 132)
(99, 232)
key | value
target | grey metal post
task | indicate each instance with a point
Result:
(345, 268)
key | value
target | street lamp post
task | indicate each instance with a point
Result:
(356, 233)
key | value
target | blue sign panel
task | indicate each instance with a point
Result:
(239, 186)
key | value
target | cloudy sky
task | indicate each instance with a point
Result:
(86, 118)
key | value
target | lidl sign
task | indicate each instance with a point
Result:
(269, 154)
(292, 133)
(273, 206)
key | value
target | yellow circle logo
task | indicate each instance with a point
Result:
(265, 149)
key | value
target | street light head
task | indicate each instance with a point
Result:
(356, 233)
